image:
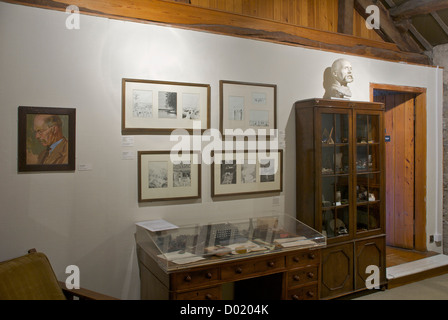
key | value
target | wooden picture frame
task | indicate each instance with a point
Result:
(162, 177)
(159, 107)
(46, 139)
(247, 172)
(245, 105)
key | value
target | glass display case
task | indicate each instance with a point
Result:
(340, 167)
(336, 171)
(180, 247)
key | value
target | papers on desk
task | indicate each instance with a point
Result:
(180, 257)
(157, 225)
(292, 242)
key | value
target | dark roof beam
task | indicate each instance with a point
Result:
(345, 16)
(413, 8)
(402, 39)
(420, 38)
(439, 20)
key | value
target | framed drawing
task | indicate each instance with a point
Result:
(159, 107)
(246, 106)
(46, 139)
(162, 178)
(247, 172)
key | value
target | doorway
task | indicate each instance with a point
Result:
(400, 166)
(405, 133)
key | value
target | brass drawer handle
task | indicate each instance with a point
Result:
(310, 275)
(312, 256)
(187, 278)
(295, 297)
(208, 275)
(208, 296)
(296, 278)
(239, 270)
(271, 264)
(310, 294)
(296, 259)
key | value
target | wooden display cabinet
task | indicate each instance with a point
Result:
(340, 189)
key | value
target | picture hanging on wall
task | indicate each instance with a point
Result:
(46, 139)
(247, 172)
(159, 107)
(246, 106)
(162, 176)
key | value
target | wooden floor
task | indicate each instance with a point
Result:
(396, 256)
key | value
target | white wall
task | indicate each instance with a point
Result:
(87, 218)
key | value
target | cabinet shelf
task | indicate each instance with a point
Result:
(328, 145)
(336, 174)
(335, 206)
(367, 202)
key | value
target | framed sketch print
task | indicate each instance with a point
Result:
(46, 139)
(247, 106)
(159, 107)
(160, 177)
(247, 172)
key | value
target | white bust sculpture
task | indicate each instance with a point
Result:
(341, 73)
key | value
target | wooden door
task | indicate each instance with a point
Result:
(400, 166)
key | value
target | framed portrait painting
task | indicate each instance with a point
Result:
(246, 108)
(162, 176)
(247, 172)
(159, 107)
(46, 139)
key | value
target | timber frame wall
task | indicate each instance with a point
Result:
(307, 23)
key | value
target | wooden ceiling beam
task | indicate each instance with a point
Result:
(420, 38)
(417, 7)
(441, 23)
(362, 12)
(180, 15)
(403, 40)
(345, 16)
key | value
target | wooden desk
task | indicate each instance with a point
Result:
(292, 274)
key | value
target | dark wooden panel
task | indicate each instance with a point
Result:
(337, 270)
(370, 252)
(305, 168)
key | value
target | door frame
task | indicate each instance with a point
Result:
(420, 158)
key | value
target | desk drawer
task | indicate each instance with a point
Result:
(246, 270)
(213, 293)
(303, 293)
(302, 276)
(270, 264)
(185, 280)
(303, 258)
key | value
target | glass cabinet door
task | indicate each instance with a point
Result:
(335, 179)
(367, 168)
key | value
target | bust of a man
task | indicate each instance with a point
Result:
(341, 72)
